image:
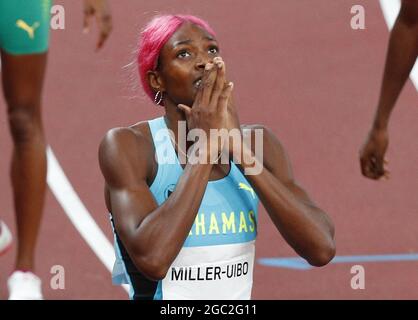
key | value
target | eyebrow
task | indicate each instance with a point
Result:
(180, 42)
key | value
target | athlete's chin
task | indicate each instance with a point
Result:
(189, 101)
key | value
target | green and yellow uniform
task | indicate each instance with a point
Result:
(24, 26)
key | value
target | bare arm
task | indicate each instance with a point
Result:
(401, 56)
(152, 235)
(307, 229)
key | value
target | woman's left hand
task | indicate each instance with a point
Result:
(232, 121)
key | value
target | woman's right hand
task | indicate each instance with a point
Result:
(209, 110)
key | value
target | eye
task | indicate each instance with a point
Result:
(214, 50)
(183, 54)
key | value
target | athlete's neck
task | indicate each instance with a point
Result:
(173, 117)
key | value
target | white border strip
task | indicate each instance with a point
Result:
(390, 9)
(78, 214)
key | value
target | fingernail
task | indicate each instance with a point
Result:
(209, 66)
(231, 84)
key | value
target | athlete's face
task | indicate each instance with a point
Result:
(182, 62)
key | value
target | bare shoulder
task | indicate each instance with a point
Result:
(124, 154)
(253, 128)
(254, 131)
(121, 139)
(275, 158)
(133, 138)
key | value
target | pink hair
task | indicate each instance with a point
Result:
(154, 36)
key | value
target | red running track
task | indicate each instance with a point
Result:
(299, 69)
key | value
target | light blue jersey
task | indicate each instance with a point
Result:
(217, 258)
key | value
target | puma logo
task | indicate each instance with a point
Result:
(243, 186)
(29, 29)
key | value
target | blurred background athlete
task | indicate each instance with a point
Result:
(401, 56)
(24, 39)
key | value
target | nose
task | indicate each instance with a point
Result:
(200, 65)
(202, 61)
